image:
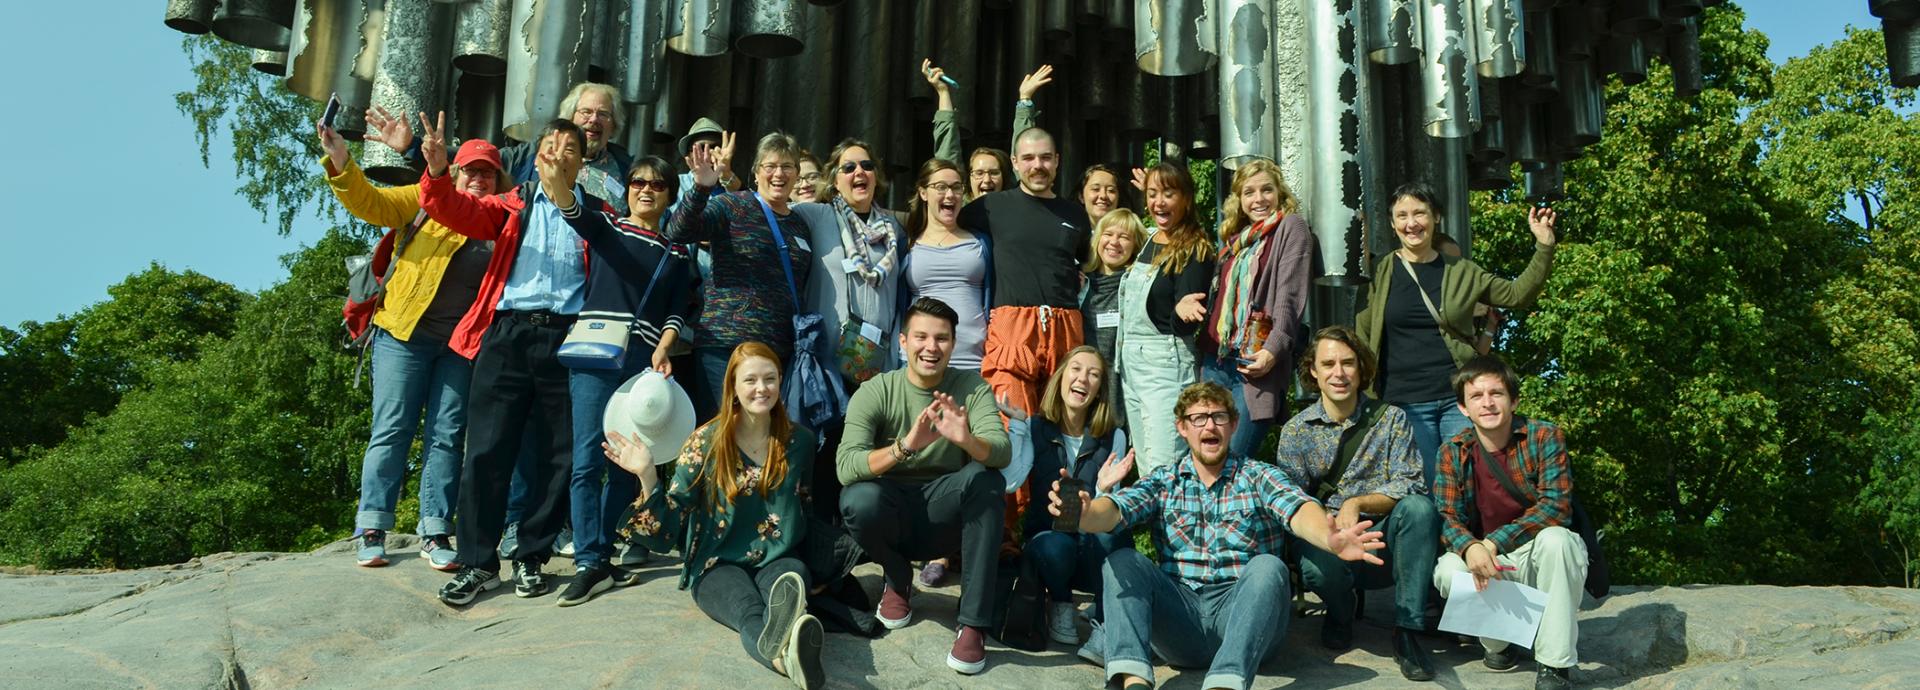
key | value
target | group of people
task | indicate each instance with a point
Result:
(1004, 373)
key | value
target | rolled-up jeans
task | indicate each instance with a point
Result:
(1229, 627)
(409, 379)
(599, 490)
(1412, 532)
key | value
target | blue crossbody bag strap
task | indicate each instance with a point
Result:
(786, 262)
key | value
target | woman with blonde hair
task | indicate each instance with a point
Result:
(737, 508)
(1256, 321)
(1076, 435)
(1162, 305)
(1117, 237)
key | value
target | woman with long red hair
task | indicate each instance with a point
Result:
(737, 508)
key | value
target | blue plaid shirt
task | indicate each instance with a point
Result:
(1206, 535)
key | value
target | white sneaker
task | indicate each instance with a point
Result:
(1062, 625)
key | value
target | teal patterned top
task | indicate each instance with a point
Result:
(751, 532)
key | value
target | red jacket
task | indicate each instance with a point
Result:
(495, 218)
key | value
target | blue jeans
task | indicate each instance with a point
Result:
(705, 384)
(1249, 434)
(1068, 562)
(1433, 422)
(1413, 546)
(409, 378)
(600, 489)
(1229, 627)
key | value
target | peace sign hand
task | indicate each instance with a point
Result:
(433, 145)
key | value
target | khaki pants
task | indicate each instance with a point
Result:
(1555, 562)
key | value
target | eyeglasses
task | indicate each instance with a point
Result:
(810, 178)
(592, 114)
(946, 187)
(1199, 419)
(847, 167)
(982, 174)
(771, 168)
(647, 185)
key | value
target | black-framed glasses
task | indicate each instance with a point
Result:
(847, 167)
(947, 187)
(647, 185)
(1202, 418)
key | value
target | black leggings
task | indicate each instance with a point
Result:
(737, 598)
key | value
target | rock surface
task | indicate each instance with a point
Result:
(317, 620)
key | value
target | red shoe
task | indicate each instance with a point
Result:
(894, 612)
(969, 653)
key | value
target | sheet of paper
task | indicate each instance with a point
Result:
(1507, 610)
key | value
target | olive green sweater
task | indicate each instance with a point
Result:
(884, 409)
(1463, 284)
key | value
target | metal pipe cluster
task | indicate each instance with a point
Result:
(1350, 97)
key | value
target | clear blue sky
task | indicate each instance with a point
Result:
(106, 178)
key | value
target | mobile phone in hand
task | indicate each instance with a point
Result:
(332, 113)
(1068, 521)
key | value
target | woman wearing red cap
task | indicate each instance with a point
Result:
(431, 279)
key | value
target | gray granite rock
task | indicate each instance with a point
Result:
(317, 620)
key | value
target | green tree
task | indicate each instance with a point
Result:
(250, 446)
(1680, 340)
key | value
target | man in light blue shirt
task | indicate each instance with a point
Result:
(534, 287)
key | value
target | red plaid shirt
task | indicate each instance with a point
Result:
(1539, 467)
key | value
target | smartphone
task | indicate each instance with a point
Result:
(332, 113)
(1068, 521)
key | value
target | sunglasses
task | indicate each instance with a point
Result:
(647, 185)
(847, 167)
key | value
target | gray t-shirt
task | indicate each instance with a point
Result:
(956, 275)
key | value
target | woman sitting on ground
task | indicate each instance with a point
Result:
(737, 508)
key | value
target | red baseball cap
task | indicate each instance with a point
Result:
(477, 150)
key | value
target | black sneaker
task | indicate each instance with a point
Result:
(802, 654)
(528, 581)
(622, 577)
(786, 600)
(1411, 656)
(1502, 660)
(466, 585)
(1336, 635)
(586, 583)
(1550, 678)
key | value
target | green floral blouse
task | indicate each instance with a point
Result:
(750, 533)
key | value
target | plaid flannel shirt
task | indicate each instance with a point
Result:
(1206, 535)
(1384, 462)
(1539, 465)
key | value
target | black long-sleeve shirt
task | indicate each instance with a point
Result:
(622, 260)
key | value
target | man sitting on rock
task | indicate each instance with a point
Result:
(1219, 596)
(1505, 495)
(920, 459)
(1356, 455)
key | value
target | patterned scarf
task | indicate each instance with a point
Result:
(1239, 263)
(870, 244)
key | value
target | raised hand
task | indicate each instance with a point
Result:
(933, 75)
(1191, 308)
(950, 419)
(387, 129)
(629, 453)
(1355, 543)
(1053, 494)
(1005, 405)
(1540, 220)
(1140, 179)
(433, 144)
(556, 178)
(1031, 83)
(335, 146)
(701, 163)
(1113, 471)
(724, 158)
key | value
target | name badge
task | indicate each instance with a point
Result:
(849, 265)
(871, 333)
(1106, 319)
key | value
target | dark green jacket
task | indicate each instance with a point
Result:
(1463, 284)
